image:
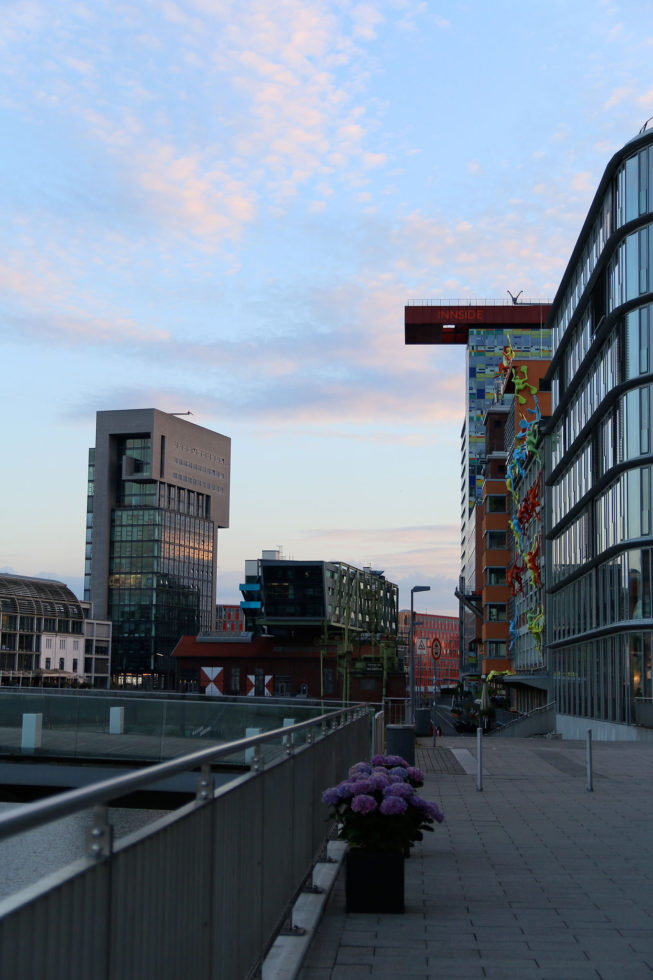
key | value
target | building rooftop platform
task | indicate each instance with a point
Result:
(535, 876)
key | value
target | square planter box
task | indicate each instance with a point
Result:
(374, 881)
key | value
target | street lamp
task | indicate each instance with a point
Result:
(411, 703)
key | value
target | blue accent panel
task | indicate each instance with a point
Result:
(250, 587)
(250, 605)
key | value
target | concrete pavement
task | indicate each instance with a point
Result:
(532, 877)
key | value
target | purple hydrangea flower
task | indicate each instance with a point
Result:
(415, 774)
(394, 777)
(378, 760)
(399, 789)
(393, 806)
(331, 796)
(363, 785)
(431, 810)
(379, 780)
(399, 771)
(363, 803)
(360, 767)
(395, 760)
(434, 811)
(346, 789)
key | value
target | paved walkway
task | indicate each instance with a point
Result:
(532, 877)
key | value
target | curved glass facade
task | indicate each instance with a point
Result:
(600, 519)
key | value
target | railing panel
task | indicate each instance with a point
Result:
(62, 934)
(160, 894)
(237, 876)
(198, 893)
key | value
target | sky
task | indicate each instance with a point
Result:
(223, 207)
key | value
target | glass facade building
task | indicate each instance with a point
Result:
(600, 457)
(158, 489)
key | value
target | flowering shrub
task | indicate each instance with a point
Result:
(377, 807)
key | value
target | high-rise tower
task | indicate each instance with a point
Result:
(485, 327)
(158, 491)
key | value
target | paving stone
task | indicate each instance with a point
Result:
(532, 876)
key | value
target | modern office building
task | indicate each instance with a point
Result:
(158, 490)
(600, 461)
(485, 327)
(49, 637)
(348, 614)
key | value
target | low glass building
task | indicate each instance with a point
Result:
(600, 458)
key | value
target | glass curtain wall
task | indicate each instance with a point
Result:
(601, 457)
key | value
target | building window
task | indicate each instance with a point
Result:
(495, 612)
(62, 644)
(74, 666)
(61, 663)
(495, 503)
(48, 663)
(495, 576)
(48, 643)
(496, 540)
(235, 680)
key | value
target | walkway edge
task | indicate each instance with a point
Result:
(287, 954)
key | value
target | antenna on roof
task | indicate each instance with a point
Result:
(180, 413)
(645, 126)
(514, 298)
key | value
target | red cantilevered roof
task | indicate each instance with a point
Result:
(442, 322)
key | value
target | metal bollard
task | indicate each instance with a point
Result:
(479, 759)
(590, 786)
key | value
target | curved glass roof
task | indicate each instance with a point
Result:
(38, 597)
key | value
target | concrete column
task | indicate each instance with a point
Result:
(288, 739)
(116, 721)
(31, 732)
(249, 753)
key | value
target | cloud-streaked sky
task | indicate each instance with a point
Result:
(223, 207)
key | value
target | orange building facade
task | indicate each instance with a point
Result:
(427, 628)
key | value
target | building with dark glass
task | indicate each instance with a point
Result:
(599, 510)
(158, 490)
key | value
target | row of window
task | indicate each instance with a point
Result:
(572, 485)
(601, 378)
(600, 678)
(628, 272)
(623, 510)
(630, 195)
(617, 591)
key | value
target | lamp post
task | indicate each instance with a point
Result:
(411, 653)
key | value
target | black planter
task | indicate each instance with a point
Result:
(374, 881)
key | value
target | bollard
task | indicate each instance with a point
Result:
(479, 759)
(116, 721)
(250, 753)
(31, 732)
(590, 787)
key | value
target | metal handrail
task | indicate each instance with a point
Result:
(527, 714)
(71, 801)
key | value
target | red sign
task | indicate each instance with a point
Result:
(436, 649)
